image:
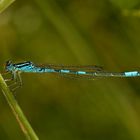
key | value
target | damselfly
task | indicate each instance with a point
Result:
(89, 71)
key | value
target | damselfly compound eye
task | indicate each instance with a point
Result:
(8, 63)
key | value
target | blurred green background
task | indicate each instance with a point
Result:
(103, 32)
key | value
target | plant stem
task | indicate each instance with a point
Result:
(4, 4)
(20, 117)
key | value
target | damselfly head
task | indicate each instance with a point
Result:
(8, 65)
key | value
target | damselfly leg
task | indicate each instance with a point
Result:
(14, 81)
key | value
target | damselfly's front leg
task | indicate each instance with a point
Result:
(15, 80)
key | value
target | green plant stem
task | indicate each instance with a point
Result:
(20, 117)
(4, 4)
